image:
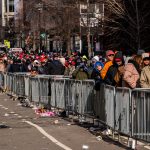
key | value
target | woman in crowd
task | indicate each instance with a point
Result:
(132, 71)
(145, 57)
(145, 74)
(114, 74)
(109, 62)
(98, 66)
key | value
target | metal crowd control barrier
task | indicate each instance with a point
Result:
(10, 83)
(122, 109)
(2, 80)
(72, 95)
(34, 88)
(20, 85)
(141, 114)
(87, 99)
(40, 89)
(104, 105)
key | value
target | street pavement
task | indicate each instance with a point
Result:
(27, 131)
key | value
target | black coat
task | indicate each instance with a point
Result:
(110, 75)
(55, 67)
(16, 68)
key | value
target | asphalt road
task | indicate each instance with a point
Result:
(27, 131)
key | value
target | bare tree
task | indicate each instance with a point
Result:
(126, 23)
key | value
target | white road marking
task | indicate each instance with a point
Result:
(5, 108)
(15, 114)
(6, 115)
(148, 147)
(49, 136)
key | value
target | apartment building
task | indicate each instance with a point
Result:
(7, 11)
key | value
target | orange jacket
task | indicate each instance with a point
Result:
(105, 69)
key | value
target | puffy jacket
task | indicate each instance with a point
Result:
(105, 69)
(145, 77)
(131, 75)
(55, 67)
(80, 73)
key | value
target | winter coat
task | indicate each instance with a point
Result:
(80, 73)
(55, 67)
(130, 76)
(98, 80)
(42, 70)
(105, 69)
(16, 68)
(110, 75)
(145, 77)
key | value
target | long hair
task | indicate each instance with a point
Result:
(137, 61)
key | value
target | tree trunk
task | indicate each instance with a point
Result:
(69, 43)
(89, 44)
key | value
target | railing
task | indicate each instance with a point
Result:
(122, 109)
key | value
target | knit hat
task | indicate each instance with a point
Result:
(109, 52)
(145, 55)
(118, 56)
(98, 63)
(95, 58)
(84, 58)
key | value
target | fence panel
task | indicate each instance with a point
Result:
(53, 93)
(59, 93)
(20, 85)
(109, 105)
(26, 81)
(10, 83)
(78, 97)
(70, 95)
(34, 89)
(87, 100)
(104, 104)
(2, 80)
(122, 110)
(44, 90)
(141, 114)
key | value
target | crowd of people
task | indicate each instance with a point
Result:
(113, 69)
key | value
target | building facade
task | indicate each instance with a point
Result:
(7, 11)
(6, 14)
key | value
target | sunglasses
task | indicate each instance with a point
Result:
(111, 55)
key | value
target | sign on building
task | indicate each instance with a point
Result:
(7, 43)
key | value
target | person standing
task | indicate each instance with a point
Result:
(132, 72)
(114, 74)
(145, 75)
(109, 62)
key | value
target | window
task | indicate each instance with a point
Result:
(6, 9)
(11, 5)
